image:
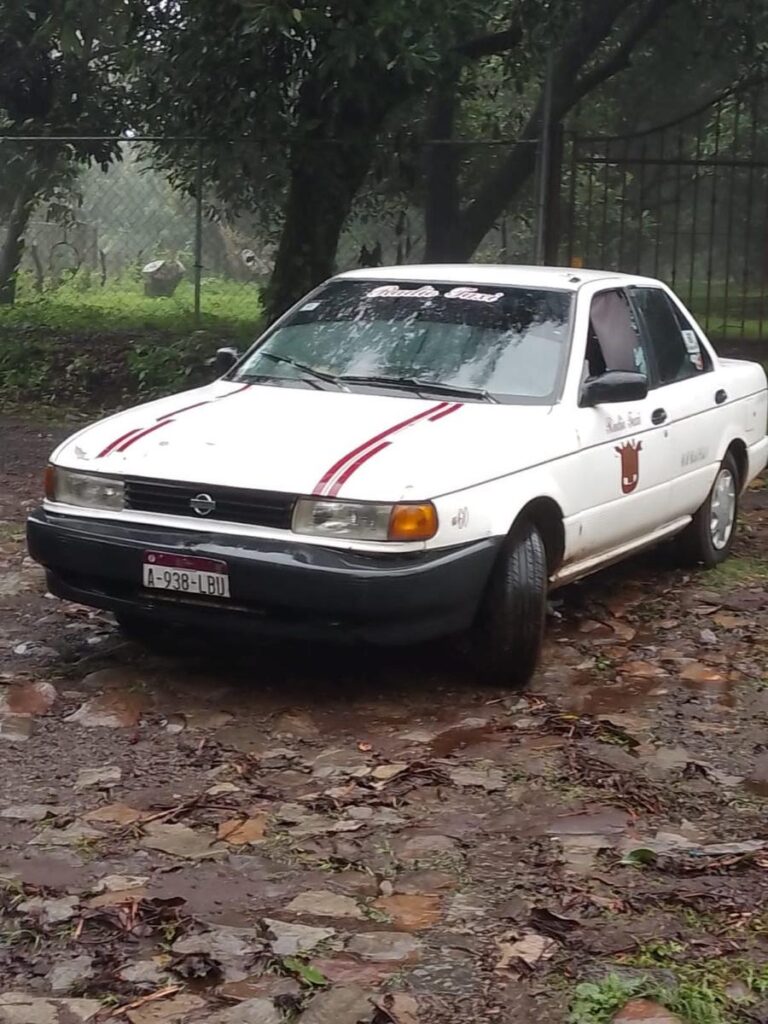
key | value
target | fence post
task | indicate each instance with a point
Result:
(542, 164)
(198, 231)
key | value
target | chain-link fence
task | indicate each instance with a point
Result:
(129, 245)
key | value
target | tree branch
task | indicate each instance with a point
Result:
(595, 25)
(621, 58)
(493, 44)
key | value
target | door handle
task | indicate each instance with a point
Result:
(658, 416)
(720, 396)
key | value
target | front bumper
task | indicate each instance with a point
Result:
(279, 588)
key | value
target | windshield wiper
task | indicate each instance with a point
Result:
(419, 384)
(307, 370)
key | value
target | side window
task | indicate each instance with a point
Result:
(677, 352)
(614, 341)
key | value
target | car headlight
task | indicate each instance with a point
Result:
(86, 490)
(357, 520)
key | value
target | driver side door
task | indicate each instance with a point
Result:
(622, 470)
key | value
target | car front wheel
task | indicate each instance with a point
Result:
(709, 538)
(509, 630)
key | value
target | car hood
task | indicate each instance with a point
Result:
(371, 447)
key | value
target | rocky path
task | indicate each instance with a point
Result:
(333, 837)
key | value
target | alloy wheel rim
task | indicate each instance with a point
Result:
(722, 509)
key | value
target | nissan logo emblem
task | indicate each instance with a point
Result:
(203, 504)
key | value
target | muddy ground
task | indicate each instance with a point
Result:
(337, 836)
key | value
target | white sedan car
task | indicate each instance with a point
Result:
(409, 453)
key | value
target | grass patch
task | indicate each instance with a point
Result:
(738, 571)
(82, 345)
(705, 991)
(82, 305)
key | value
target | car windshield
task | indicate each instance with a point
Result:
(494, 343)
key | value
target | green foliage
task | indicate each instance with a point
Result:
(113, 345)
(229, 306)
(597, 1002)
(304, 972)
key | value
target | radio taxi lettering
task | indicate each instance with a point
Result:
(615, 424)
(392, 291)
(473, 295)
(630, 464)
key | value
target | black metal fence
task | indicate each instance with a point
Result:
(686, 201)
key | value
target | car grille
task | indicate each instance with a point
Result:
(233, 504)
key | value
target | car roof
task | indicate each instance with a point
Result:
(562, 278)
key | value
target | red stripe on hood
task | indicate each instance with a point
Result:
(342, 462)
(355, 466)
(118, 440)
(143, 433)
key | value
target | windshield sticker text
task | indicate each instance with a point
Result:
(473, 295)
(392, 291)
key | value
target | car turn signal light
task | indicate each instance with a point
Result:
(49, 483)
(413, 522)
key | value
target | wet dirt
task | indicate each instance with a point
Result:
(390, 800)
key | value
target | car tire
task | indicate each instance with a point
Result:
(509, 629)
(708, 539)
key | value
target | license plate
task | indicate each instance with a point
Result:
(185, 574)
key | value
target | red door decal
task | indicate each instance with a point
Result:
(630, 464)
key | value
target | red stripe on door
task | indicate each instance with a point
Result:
(330, 473)
(143, 433)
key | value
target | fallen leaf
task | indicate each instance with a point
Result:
(730, 621)
(489, 780)
(324, 904)
(384, 772)
(116, 898)
(119, 883)
(622, 630)
(179, 841)
(642, 670)
(410, 911)
(239, 832)
(119, 814)
(644, 1011)
(530, 949)
(34, 698)
(699, 673)
(398, 1007)
(222, 787)
(104, 777)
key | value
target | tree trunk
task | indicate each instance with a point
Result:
(13, 245)
(457, 238)
(325, 178)
(442, 166)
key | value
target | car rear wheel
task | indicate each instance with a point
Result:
(709, 538)
(509, 630)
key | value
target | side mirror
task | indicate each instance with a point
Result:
(224, 360)
(614, 386)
